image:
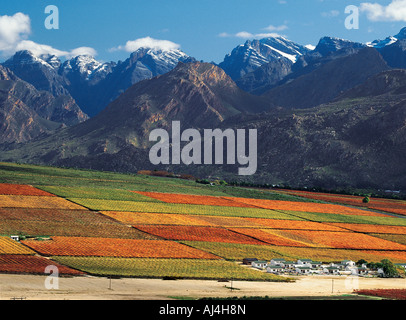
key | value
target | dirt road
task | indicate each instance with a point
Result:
(92, 288)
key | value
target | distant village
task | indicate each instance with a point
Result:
(310, 267)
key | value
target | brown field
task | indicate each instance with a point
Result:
(140, 218)
(57, 222)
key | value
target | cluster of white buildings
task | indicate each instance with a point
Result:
(310, 267)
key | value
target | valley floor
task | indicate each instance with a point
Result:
(30, 287)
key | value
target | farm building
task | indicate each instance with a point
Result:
(259, 264)
(275, 269)
(249, 261)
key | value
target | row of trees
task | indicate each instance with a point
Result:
(389, 269)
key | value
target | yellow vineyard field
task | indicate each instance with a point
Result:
(8, 246)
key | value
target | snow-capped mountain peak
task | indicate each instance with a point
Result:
(26, 57)
(380, 44)
(256, 53)
(328, 45)
(86, 66)
(52, 60)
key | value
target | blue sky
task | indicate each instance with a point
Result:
(206, 29)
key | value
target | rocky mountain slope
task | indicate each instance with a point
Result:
(91, 83)
(357, 141)
(253, 54)
(200, 95)
(328, 81)
(27, 113)
(334, 118)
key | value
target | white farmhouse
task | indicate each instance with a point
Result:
(303, 270)
(303, 262)
(277, 262)
(332, 270)
(259, 264)
(275, 269)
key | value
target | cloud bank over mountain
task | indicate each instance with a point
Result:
(149, 43)
(395, 11)
(14, 36)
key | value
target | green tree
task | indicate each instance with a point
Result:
(361, 262)
(389, 269)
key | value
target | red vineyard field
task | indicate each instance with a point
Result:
(341, 240)
(371, 228)
(295, 225)
(271, 237)
(31, 265)
(194, 199)
(393, 294)
(306, 207)
(124, 248)
(22, 190)
(191, 233)
(387, 205)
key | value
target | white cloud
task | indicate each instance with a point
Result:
(244, 35)
(43, 49)
(224, 35)
(147, 42)
(330, 14)
(249, 35)
(276, 28)
(82, 51)
(395, 11)
(13, 29)
(38, 49)
(14, 33)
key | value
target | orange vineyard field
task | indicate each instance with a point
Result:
(44, 202)
(22, 190)
(123, 248)
(307, 207)
(387, 205)
(57, 222)
(31, 265)
(143, 219)
(342, 240)
(8, 246)
(370, 228)
(209, 234)
(193, 199)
